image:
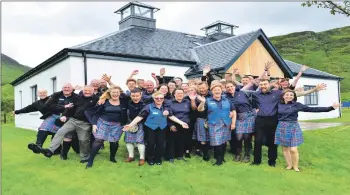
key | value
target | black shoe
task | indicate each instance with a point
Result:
(237, 158)
(255, 163)
(150, 162)
(47, 153)
(63, 156)
(246, 159)
(113, 160)
(206, 158)
(272, 163)
(159, 163)
(198, 153)
(88, 165)
(187, 155)
(84, 161)
(31, 146)
(36, 149)
(171, 160)
(217, 163)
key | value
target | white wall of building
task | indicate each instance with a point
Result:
(43, 81)
(121, 70)
(325, 98)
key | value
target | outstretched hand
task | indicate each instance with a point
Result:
(268, 65)
(106, 77)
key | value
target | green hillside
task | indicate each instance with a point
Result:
(10, 70)
(328, 51)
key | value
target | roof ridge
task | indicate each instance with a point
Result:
(218, 41)
(312, 68)
(182, 32)
(100, 38)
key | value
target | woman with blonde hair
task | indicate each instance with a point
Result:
(155, 115)
(288, 133)
(107, 120)
(218, 110)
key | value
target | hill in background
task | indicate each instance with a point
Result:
(327, 51)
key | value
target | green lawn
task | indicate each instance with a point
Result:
(344, 119)
(324, 164)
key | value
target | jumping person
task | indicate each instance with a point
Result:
(245, 120)
(288, 132)
(107, 120)
(77, 122)
(156, 115)
(38, 106)
(135, 138)
(176, 137)
(219, 110)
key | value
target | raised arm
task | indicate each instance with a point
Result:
(161, 76)
(235, 71)
(107, 79)
(295, 81)
(268, 65)
(27, 109)
(154, 76)
(192, 97)
(318, 88)
(135, 72)
(305, 108)
(201, 106)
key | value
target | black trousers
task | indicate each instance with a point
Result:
(155, 143)
(176, 142)
(265, 127)
(233, 142)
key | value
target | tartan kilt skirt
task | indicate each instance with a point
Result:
(108, 131)
(200, 133)
(245, 122)
(288, 134)
(136, 137)
(219, 133)
(49, 124)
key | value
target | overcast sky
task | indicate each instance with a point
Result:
(33, 32)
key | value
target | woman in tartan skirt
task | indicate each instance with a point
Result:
(220, 124)
(155, 115)
(107, 120)
(245, 120)
(132, 138)
(288, 132)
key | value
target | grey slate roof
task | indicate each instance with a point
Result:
(157, 43)
(295, 67)
(219, 53)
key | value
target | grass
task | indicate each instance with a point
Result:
(344, 119)
(324, 162)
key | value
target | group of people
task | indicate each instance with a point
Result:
(170, 120)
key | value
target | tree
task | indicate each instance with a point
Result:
(7, 106)
(335, 8)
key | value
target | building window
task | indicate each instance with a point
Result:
(212, 30)
(126, 12)
(226, 29)
(311, 99)
(20, 98)
(142, 11)
(34, 93)
(54, 84)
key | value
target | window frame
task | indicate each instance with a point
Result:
(35, 94)
(310, 99)
(54, 84)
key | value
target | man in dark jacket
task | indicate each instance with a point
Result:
(77, 122)
(42, 132)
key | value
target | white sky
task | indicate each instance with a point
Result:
(33, 32)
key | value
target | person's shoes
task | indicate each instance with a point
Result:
(159, 163)
(47, 153)
(198, 153)
(88, 165)
(31, 146)
(206, 157)
(217, 163)
(141, 162)
(255, 163)
(237, 158)
(63, 156)
(181, 158)
(113, 160)
(129, 159)
(272, 163)
(35, 148)
(187, 155)
(171, 160)
(246, 158)
(84, 161)
(150, 162)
